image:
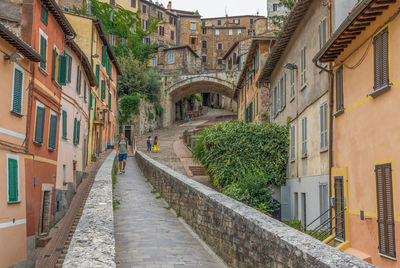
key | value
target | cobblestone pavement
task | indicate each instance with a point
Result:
(149, 235)
(168, 136)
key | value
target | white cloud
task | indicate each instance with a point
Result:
(216, 8)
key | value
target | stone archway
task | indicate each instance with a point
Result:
(192, 84)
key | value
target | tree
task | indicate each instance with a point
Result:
(279, 20)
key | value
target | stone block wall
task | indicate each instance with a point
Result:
(143, 122)
(240, 235)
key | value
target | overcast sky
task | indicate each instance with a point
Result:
(216, 8)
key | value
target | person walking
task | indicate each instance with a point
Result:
(156, 145)
(122, 151)
(149, 140)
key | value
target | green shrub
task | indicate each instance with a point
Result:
(159, 110)
(150, 115)
(294, 223)
(128, 105)
(252, 191)
(230, 151)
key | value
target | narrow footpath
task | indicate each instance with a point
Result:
(149, 235)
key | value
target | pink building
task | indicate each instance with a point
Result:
(73, 138)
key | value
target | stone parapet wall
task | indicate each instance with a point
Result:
(242, 236)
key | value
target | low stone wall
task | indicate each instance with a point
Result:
(242, 236)
(93, 243)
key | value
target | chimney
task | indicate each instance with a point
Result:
(169, 7)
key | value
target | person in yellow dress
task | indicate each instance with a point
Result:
(156, 145)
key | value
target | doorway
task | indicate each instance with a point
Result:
(46, 212)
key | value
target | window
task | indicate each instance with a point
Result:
(84, 90)
(112, 2)
(304, 136)
(154, 62)
(292, 91)
(381, 64)
(275, 7)
(52, 131)
(97, 75)
(303, 67)
(239, 31)
(230, 31)
(283, 91)
(69, 67)
(219, 22)
(103, 89)
(193, 40)
(109, 100)
(236, 21)
(39, 127)
(230, 64)
(339, 89)
(78, 80)
(216, 31)
(324, 126)
(204, 44)
(251, 21)
(104, 55)
(292, 142)
(64, 124)
(323, 33)
(144, 9)
(219, 46)
(235, 59)
(204, 59)
(144, 24)
(275, 102)
(133, 3)
(160, 15)
(256, 61)
(146, 40)
(43, 50)
(13, 178)
(172, 35)
(204, 30)
(112, 39)
(17, 89)
(44, 15)
(203, 24)
(296, 205)
(193, 26)
(77, 131)
(386, 225)
(171, 58)
(219, 61)
(303, 209)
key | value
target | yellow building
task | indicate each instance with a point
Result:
(103, 124)
(365, 95)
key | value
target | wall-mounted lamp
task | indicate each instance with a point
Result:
(95, 56)
(14, 57)
(290, 66)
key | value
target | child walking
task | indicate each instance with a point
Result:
(149, 140)
(156, 145)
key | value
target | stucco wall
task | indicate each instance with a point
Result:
(242, 236)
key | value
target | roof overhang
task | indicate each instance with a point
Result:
(57, 13)
(183, 47)
(84, 60)
(26, 50)
(284, 37)
(357, 21)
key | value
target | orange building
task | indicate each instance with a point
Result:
(16, 75)
(46, 29)
(365, 180)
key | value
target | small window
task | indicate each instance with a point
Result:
(204, 44)
(204, 30)
(251, 21)
(216, 31)
(381, 63)
(84, 90)
(204, 59)
(203, 24)
(339, 89)
(193, 26)
(44, 15)
(193, 40)
(171, 58)
(144, 9)
(172, 35)
(275, 7)
(304, 136)
(230, 31)
(133, 3)
(103, 89)
(219, 46)
(219, 22)
(13, 178)
(43, 51)
(219, 61)
(303, 67)
(17, 90)
(77, 130)
(239, 31)
(293, 142)
(53, 131)
(154, 62)
(97, 75)
(292, 89)
(324, 126)
(39, 125)
(78, 80)
(64, 124)
(323, 33)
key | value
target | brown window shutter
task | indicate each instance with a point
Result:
(385, 55)
(385, 210)
(188, 25)
(381, 59)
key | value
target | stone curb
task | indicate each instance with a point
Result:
(93, 243)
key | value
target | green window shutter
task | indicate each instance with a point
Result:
(78, 132)
(95, 104)
(12, 180)
(40, 113)
(110, 70)
(97, 75)
(43, 52)
(44, 15)
(75, 130)
(62, 71)
(251, 21)
(109, 100)
(17, 94)
(104, 55)
(53, 75)
(78, 80)
(91, 100)
(84, 90)
(69, 68)
(103, 89)
(53, 132)
(64, 124)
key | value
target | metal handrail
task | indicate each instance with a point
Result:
(320, 216)
(325, 223)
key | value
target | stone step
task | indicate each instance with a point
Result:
(197, 170)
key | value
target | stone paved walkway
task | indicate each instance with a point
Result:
(147, 234)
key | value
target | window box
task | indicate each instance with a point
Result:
(43, 71)
(303, 87)
(380, 91)
(341, 111)
(304, 156)
(324, 150)
(13, 202)
(16, 114)
(38, 143)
